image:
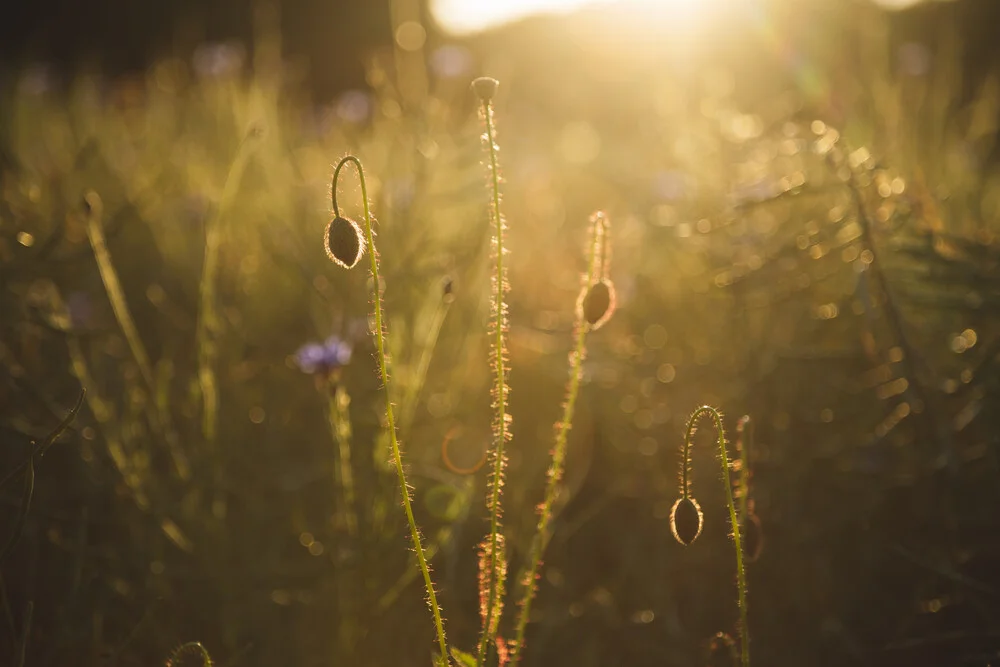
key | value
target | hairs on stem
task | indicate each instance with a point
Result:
(595, 269)
(379, 334)
(493, 566)
(734, 518)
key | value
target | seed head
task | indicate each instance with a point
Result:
(344, 242)
(597, 303)
(686, 520)
(485, 88)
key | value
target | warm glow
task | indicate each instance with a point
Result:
(460, 17)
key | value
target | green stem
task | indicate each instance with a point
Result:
(500, 389)
(158, 416)
(390, 419)
(733, 518)
(559, 451)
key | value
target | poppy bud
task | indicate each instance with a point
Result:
(344, 242)
(485, 88)
(447, 289)
(597, 303)
(685, 520)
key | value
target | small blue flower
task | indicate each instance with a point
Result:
(324, 358)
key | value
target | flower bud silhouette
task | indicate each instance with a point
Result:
(686, 520)
(343, 242)
(598, 303)
(685, 517)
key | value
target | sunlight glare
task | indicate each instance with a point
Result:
(463, 17)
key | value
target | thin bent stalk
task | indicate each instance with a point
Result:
(390, 418)
(159, 418)
(733, 518)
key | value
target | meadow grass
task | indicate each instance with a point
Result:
(165, 255)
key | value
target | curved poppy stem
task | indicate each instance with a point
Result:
(390, 418)
(734, 518)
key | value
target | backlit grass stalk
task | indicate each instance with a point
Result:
(209, 321)
(492, 557)
(681, 515)
(338, 401)
(379, 335)
(896, 321)
(158, 417)
(423, 365)
(37, 451)
(106, 268)
(576, 358)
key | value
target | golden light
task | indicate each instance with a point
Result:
(463, 17)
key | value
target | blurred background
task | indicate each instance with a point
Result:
(805, 206)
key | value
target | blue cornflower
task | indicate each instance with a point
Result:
(324, 358)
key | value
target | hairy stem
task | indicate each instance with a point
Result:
(500, 388)
(559, 451)
(390, 419)
(741, 583)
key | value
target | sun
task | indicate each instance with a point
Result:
(464, 17)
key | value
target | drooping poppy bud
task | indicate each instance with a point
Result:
(344, 242)
(686, 520)
(597, 303)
